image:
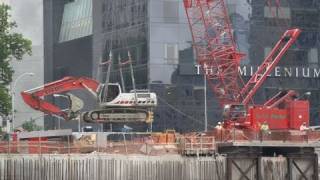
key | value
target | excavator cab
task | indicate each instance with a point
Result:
(109, 92)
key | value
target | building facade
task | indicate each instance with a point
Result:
(156, 34)
(67, 48)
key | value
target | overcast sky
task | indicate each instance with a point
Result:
(29, 16)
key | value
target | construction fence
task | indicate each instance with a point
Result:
(113, 143)
(199, 144)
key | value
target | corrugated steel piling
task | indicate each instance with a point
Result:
(111, 167)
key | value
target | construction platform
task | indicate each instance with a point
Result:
(268, 143)
(66, 155)
(299, 160)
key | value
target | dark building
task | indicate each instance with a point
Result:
(157, 35)
(67, 45)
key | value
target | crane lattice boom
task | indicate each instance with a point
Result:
(215, 47)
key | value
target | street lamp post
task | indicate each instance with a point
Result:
(205, 103)
(13, 98)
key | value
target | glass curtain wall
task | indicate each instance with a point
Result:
(125, 30)
(76, 21)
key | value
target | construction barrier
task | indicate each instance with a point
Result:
(289, 136)
(153, 143)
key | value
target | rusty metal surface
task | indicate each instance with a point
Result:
(303, 167)
(275, 168)
(242, 168)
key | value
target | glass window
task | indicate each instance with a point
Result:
(276, 12)
(124, 30)
(76, 20)
(267, 50)
(171, 53)
(313, 56)
(171, 11)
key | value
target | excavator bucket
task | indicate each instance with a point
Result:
(76, 104)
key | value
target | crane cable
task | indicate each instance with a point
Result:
(182, 113)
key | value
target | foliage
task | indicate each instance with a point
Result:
(31, 126)
(12, 46)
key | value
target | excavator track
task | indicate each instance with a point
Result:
(118, 115)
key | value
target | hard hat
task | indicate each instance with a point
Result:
(219, 123)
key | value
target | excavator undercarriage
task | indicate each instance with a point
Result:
(112, 115)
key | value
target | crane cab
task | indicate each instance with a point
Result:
(234, 112)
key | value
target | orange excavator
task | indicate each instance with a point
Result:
(115, 106)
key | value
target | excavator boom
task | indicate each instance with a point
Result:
(35, 97)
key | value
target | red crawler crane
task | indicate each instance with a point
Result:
(219, 58)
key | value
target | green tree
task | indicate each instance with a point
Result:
(31, 126)
(12, 46)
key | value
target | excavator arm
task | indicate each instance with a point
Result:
(35, 97)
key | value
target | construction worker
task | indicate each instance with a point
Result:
(219, 129)
(219, 126)
(305, 129)
(264, 130)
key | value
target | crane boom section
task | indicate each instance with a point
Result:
(280, 98)
(268, 65)
(215, 47)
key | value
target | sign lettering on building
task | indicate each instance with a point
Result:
(279, 71)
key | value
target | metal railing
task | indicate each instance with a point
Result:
(284, 136)
(197, 145)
